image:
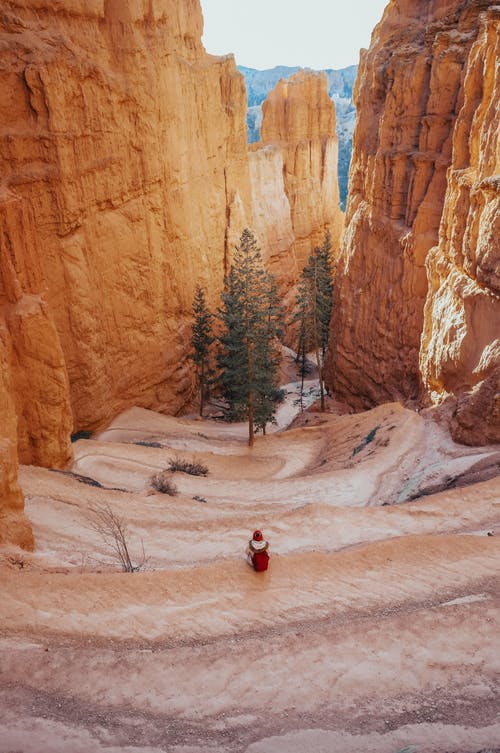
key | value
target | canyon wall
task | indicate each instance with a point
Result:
(340, 85)
(125, 144)
(460, 350)
(14, 527)
(417, 306)
(124, 170)
(125, 180)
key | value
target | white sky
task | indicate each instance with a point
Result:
(308, 33)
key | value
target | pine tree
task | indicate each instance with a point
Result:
(248, 358)
(302, 317)
(314, 308)
(201, 340)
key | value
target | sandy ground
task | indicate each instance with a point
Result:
(376, 628)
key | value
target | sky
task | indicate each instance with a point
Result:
(308, 33)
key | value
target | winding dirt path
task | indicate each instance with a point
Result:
(375, 629)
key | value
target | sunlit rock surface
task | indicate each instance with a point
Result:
(460, 352)
(299, 117)
(123, 157)
(14, 527)
(419, 235)
(124, 145)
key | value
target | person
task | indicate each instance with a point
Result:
(257, 553)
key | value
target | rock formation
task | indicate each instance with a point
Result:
(299, 117)
(417, 234)
(460, 349)
(123, 145)
(14, 527)
(33, 356)
(125, 180)
(340, 85)
(124, 170)
(271, 214)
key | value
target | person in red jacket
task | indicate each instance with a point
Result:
(257, 553)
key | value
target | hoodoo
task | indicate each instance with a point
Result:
(294, 176)
(299, 116)
(417, 311)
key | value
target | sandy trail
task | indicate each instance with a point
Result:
(376, 627)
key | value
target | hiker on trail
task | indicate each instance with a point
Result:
(257, 553)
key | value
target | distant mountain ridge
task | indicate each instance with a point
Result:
(340, 86)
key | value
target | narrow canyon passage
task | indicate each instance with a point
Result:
(376, 625)
(128, 181)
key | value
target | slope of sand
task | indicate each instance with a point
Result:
(376, 627)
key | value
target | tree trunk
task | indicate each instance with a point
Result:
(320, 374)
(250, 424)
(202, 389)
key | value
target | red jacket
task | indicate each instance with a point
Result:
(259, 555)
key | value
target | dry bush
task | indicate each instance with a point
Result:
(114, 532)
(163, 483)
(193, 468)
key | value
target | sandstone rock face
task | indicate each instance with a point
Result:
(271, 213)
(340, 85)
(33, 355)
(299, 117)
(419, 90)
(124, 145)
(124, 181)
(14, 528)
(460, 352)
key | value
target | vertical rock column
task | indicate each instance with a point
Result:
(299, 119)
(38, 380)
(14, 527)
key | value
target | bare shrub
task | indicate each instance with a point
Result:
(16, 560)
(193, 468)
(163, 483)
(114, 532)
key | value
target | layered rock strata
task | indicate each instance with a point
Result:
(124, 171)
(124, 145)
(299, 121)
(126, 180)
(14, 527)
(460, 349)
(426, 95)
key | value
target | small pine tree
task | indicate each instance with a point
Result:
(248, 358)
(314, 308)
(201, 341)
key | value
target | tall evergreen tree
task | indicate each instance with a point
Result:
(314, 307)
(201, 341)
(249, 358)
(325, 293)
(302, 318)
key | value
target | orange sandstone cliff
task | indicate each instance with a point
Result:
(123, 170)
(14, 528)
(299, 124)
(417, 300)
(460, 348)
(125, 180)
(123, 149)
